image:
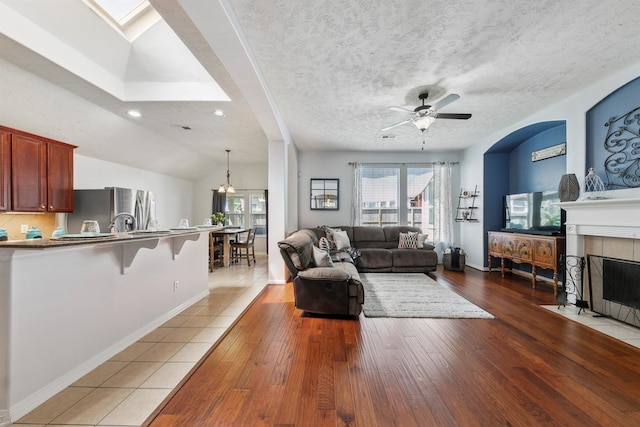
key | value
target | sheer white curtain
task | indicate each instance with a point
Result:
(356, 199)
(442, 208)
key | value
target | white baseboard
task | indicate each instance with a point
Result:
(5, 418)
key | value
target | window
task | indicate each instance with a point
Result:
(420, 198)
(247, 209)
(380, 194)
(382, 188)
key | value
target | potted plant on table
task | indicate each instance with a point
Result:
(218, 218)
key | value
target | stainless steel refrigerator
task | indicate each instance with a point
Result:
(112, 206)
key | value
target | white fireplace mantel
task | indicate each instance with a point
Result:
(601, 217)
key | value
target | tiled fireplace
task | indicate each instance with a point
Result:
(607, 228)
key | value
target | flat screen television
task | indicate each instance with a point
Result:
(534, 213)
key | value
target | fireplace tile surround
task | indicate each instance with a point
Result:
(604, 227)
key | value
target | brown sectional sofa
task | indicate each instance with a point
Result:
(338, 289)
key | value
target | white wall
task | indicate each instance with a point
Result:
(572, 109)
(336, 165)
(174, 197)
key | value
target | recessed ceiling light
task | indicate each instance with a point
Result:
(134, 113)
(219, 113)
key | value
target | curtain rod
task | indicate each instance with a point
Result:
(417, 163)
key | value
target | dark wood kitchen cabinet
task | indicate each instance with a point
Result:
(5, 170)
(41, 174)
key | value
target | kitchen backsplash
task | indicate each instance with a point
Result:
(12, 222)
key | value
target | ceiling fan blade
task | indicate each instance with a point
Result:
(401, 109)
(396, 125)
(445, 101)
(461, 116)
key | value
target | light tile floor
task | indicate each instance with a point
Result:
(126, 389)
(614, 328)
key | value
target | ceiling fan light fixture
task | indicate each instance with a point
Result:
(423, 123)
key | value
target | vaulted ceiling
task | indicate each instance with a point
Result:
(323, 71)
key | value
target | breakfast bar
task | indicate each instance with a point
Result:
(68, 305)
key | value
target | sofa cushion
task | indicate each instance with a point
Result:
(299, 246)
(341, 257)
(375, 259)
(325, 274)
(413, 258)
(368, 234)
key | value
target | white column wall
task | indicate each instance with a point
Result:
(278, 207)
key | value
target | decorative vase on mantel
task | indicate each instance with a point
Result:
(569, 188)
(593, 186)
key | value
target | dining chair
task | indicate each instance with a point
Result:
(241, 248)
(215, 251)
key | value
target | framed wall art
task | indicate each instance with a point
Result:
(325, 193)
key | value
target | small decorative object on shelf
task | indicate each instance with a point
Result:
(467, 205)
(593, 186)
(569, 188)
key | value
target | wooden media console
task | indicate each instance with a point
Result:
(538, 251)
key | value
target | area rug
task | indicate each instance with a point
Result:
(414, 295)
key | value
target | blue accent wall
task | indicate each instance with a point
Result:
(614, 106)
(508, 168)
(544, 175)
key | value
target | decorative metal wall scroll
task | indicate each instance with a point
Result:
(622, 167)
(547, 153)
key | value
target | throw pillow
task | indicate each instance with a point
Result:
(408, 241)
(329, 234)
(341, 239)
(421, 240)
(321, 258)
(323, 244)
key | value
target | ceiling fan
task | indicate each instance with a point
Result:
(424, 115)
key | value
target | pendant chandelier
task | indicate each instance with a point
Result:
(227, 188)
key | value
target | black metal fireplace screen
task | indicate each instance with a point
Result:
(615, 288)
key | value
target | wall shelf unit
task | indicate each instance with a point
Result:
(466, 210)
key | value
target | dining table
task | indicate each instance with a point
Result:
(227, 233)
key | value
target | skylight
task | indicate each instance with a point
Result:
(129, 17)
(122, 10)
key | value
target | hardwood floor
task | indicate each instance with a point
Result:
(527, 367)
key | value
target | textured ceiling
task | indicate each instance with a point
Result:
(333, 67)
